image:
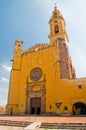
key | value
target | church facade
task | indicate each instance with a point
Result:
(43, 79)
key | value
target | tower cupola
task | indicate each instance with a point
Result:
(56, 13)
(57, 26)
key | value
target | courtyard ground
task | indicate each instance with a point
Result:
(45, 119)
(52, 120)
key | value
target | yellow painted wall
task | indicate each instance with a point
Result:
(68, 93)
(57, 90)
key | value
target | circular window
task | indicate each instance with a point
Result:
(36, 74)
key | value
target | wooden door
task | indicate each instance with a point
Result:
(35, 105)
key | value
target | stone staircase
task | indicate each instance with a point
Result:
(14, 123)
(64, 126)
(77, 126)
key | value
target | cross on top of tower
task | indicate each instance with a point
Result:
(55, 6)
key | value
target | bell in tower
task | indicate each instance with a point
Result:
(57, 27)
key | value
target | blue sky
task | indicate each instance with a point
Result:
(27, 20)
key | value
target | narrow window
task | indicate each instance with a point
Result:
(79, 86)
(65, 108)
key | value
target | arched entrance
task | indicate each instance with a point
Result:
(36, 98)
(79, 108)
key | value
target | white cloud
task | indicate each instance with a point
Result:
(3, 102)
(4, 80)
(3, 92)
(8, 68)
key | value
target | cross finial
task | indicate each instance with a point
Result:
(55, 6)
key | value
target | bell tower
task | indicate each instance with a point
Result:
(58, 35)
(57, 27)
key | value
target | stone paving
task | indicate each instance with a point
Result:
(10, 128)
(19, 128)
(66, 120)
(81, 120)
